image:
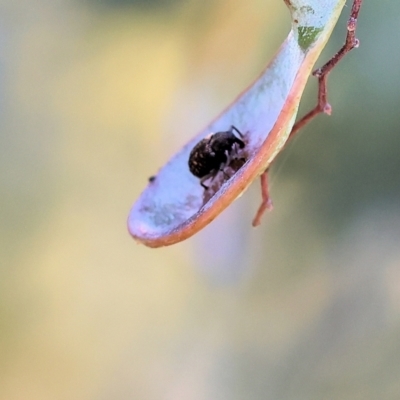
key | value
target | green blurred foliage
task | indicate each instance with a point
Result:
(94, 100)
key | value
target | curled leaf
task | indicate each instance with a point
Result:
(174, 206)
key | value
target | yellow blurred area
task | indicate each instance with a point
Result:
(93, 101)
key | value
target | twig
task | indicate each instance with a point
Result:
(322, 73)
(322, 106)
(266, 203)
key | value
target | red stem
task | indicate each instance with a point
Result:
(322, 73)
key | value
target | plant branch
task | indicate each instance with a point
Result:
(322, 73)
(266, 203)
(322, 106)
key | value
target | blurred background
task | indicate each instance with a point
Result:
(95, 96)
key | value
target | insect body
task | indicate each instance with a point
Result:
(213, 153)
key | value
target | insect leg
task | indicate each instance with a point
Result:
(233, 128)
(204, 178)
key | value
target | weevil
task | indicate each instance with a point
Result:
(214, 153)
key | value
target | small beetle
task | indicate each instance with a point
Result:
(213, 153)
